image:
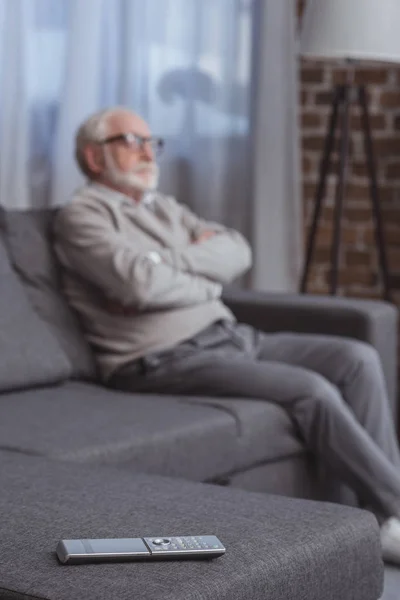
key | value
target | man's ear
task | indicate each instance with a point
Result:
(94, 157)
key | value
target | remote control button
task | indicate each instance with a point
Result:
(161, 541)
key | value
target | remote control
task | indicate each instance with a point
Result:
(147, 548)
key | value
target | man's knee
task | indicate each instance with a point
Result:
(318, 389)
(360, 355)
(319, 402)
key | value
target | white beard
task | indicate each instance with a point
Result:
(132, 180)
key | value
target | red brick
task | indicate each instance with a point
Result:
(312, 74)
(307, 165)
(391, 216)
(327, 213)
(309, 190)
(377, 122)
(372, 76)
(311, 120)
(394, 259)
(392, 234)
(322, 255)
(318, 290)
(325, 231)
(389, 146)
(358, 259)
(359, 169)
(324, 236)
(392, 171)
(323, 98)
(369, 237)
(358, 215)
(357, 276)
(313, 142)
(356, 191)
(349, 235)
(390, 99)
(368, 76)
(397, 123)
(304, 97)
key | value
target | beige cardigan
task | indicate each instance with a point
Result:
(133, 275)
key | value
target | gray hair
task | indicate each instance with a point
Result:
(93, 130)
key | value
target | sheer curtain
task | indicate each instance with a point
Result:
(277, 207)
(188, 67)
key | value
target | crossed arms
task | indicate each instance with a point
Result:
(88, 244)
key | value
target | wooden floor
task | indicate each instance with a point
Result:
(392, 584)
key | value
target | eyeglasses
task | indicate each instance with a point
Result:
(136, 142)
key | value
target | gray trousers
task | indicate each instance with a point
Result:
(332, 388)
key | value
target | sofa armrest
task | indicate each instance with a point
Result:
(371, 321)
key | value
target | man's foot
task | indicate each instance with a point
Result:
(390, 540)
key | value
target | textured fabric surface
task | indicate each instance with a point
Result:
(298, 476)
(277, 548)
(371, 321)
(85, 423)
(30, 355)
(28, 235)
(294, 477)
(266, 433)
(193, 438)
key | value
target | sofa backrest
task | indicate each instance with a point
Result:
(28, 238)
(29, 353)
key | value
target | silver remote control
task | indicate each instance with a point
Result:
(148, 548)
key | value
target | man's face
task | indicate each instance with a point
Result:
(127, 162)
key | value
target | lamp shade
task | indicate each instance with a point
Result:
(351, 29)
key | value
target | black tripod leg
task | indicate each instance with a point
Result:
(376, 211)
(324, 170)
(341, 185)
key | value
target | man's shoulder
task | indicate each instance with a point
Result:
(84, 204)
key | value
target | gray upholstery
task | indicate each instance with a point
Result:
(258, 423)
(84, 423)
(154, 434)
(277, 548)
(367, 320)
(30, 355)
(295, 476)
(28, 235)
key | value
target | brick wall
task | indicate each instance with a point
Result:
(359, 267)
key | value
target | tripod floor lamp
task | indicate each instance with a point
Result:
(350, 31)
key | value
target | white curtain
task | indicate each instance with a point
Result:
(185, 65)
(277, 206)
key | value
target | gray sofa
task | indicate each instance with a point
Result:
(54, 414)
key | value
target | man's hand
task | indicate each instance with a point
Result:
(206, 235)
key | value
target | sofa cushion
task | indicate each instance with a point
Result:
(265, 431)
(196, 438)
(28, 236)
(30, 355)
(277, 548)
(87, 423)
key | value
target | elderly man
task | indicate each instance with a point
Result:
(145, 276)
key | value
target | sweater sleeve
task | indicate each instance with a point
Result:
(222, 258)
(87, 244)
